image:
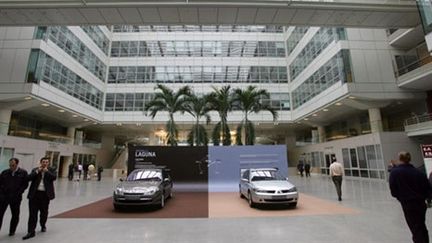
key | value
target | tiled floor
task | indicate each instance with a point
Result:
(379, 219)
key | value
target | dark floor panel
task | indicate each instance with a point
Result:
(182, 205)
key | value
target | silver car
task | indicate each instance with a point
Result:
(143, 187)
(267, 186)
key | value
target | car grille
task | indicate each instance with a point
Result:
(132, 194)
(279, 200)
(285, 191)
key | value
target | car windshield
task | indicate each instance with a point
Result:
(266, 175)
(145, 175)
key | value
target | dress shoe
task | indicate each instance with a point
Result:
(28, 236)
(43, 229)
(11, 233)
(340, 199)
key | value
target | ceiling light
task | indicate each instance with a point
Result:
(338, 104)
(74, 115)
(119, 124)
(306, 119)
(45, 104)
(352, 97)
(95, 123)
(86, 119)
(314, 115)
(325, 110)
(28, 98)
(399, 103)
(61, 110)
(138, 124)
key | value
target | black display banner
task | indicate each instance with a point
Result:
(186, 164)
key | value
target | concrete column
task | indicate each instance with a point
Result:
(375, 120)
(79, 136)
(290, 142)
(5, 116)
(321, 134)
(315, 136)
(71, 134)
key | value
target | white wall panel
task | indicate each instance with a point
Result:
(7, 57)
(20, 65)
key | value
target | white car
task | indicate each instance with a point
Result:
(267, 186)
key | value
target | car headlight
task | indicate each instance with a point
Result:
(119, 191)
(151, 191)
(258, 190)
(294, 189)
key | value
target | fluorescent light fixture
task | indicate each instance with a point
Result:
(95, 123)
(314, 115)
(28, 98)
(306, 119)
(352, 97)
(338, 104)
(86, 119)
(61, 110)
(119, 124)
(74, 115)
(325, 109)
(45, 104)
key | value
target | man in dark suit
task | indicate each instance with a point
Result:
(411, 188)
(13, 182)
(40, 193)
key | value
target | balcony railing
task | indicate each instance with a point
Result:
(412, 66)
(416, 119)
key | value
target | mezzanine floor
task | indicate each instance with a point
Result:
(378, 219)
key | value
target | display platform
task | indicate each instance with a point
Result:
(211, 205)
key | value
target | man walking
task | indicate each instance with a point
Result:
(336, 172)
(411, 188)
(40, 193)
(13, 182)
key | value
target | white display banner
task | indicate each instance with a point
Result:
(427, 157)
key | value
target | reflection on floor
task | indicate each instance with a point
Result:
(379, 219)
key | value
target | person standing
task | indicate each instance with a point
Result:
(307, 168)
(411, 188)
(300, 167)
(70, 171)
(91, 169)
(40, 193)
(13, 183)
(336, 173)
(99, 172)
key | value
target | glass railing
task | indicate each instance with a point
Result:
(412, 66)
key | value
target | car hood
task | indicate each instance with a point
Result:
(272, 185)
(131, 185)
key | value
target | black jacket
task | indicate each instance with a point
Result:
(35, 179)
(407, 183)
(12, 187)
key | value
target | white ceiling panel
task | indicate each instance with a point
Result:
(207, 15)
(17, 17)
(188, 15)
(356, 18)
(150, 15)
(227, 15)
(93, 15)
(55, 16)
(130, 15)
(246, 15)
(265, 15)
(284, 16)
(320, 17)
(38, 16)
(338, 18)
(169, 15)
(302, 16)
(112, 15)
(73, 16)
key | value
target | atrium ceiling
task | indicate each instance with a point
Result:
(345, 13)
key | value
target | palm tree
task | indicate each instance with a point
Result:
(249, 101)
(221, 101)
(198, 107)
(171, 102)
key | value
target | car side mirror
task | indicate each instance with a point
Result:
(121, 179)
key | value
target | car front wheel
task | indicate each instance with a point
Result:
(241, 195)
(162, 202)
(250, 201)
